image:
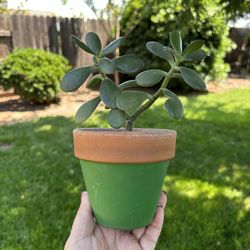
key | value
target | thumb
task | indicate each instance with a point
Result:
(83, 224)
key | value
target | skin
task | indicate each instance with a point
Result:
(87, 235)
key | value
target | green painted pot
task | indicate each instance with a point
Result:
(124, 173)
(124, 196)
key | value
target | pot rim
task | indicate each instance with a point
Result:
(141, 145)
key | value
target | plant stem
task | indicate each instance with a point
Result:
(145, 106)
(129, 125)
(102, 75)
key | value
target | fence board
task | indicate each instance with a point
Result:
(4, 22)
(37, 32)
(30, 32)
(26, 41)
(5, 36)
(52, 34)
(44, 33)
(79, 31)
(64, 34)
(16, 38)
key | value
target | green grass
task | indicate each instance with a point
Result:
(208, 182)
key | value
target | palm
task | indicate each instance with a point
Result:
(108, 239)
(87, 235)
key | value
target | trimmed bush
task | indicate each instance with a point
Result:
(145, 20)
(34, 74)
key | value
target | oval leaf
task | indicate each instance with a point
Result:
(192, 78)
(158, 50)
(176, 41)
(109, 91)
(173, 105)
(116, 118)
(93, 42)
(86, 110)
(75, 78)
(81, 44)
(106, 66)
(128, 63)
(110, 48)
(128, 84)
(94, 82)
(150, 77)
(193, 46)
(130, 101)
(172, 52)
(196, 56)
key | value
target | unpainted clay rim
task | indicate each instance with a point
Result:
(120, 146)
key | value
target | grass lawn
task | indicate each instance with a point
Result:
(208, 182)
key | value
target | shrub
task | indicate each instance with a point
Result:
(153, 20)
(34, 74)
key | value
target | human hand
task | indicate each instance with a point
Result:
(87, 235)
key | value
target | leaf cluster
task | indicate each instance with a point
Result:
(34, 74)
(124, 103)
(200, 19)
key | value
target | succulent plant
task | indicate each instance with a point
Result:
(124, 103)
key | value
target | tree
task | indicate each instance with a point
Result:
(3, 6)
(236, 8)
(196, 19)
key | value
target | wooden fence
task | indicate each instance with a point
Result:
(239, 58)
(48, 33)
(53, 34)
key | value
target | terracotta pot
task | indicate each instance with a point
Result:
(124, 172)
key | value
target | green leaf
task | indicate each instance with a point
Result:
(94, 82)
(109, 91)
(150, 77)
(173, 105)
(86, 110)
(158, 50)
(196, 56)
(176, 41)
(172, 52)
(128, 63)
(193, 46)
(116, 118)
(110, 48)
(106, 66)
(130, 101)
(93, 42)
(81, 44)
(192, 78)
(75, 78)
(94, 60)
(128, 84)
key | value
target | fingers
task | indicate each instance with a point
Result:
(138, 232)
(150, 237)
(83, 224)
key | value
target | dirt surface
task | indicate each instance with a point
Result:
(230, 83)
(13, 110)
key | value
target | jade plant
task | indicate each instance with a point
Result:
(124, 103)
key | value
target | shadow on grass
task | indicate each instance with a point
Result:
(204, 222)
(20, 106)
(208, 181)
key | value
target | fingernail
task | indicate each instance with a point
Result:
(160, 205)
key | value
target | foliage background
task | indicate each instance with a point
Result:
(149, 20)
(35, 75)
